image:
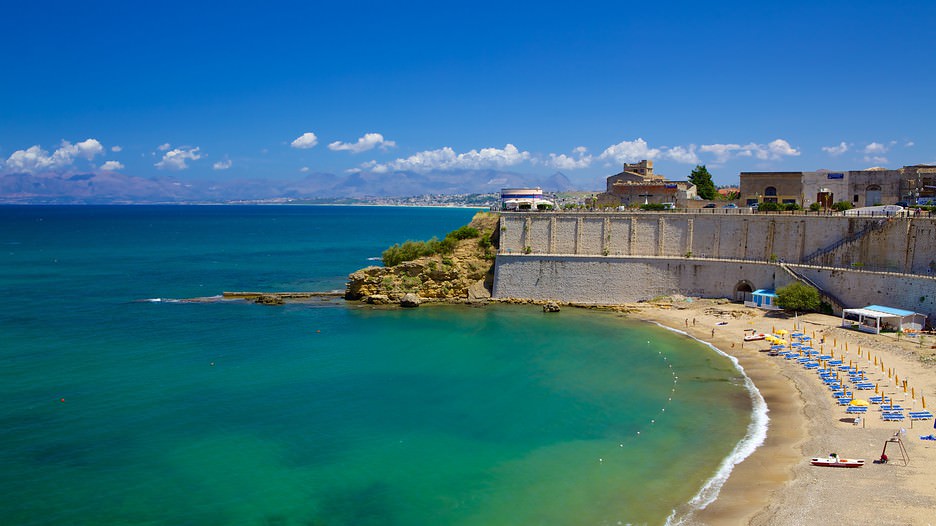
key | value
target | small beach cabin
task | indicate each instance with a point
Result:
(874, 318)
(763, 299)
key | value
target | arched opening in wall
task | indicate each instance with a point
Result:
(770, 194)
(872, 195)
(743, 290)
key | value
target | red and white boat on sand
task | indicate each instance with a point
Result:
(754, 336)
(833, 461)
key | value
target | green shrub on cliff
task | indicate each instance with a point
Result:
(411, 250)
(465, 232)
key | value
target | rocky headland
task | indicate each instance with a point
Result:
(462, 272)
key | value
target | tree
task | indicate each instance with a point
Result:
(798, 297)
(702, 180)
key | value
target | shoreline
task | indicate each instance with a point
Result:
(775, 484)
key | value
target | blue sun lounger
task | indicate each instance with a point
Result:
(920, 415)
(892, 416)
(853, 409)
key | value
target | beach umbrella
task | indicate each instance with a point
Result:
(912, 393)
(859, 402)
(846, 346)
(923, 399)
(875, 388)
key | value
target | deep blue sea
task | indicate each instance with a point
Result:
(121, 405)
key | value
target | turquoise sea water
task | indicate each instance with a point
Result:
(120, 409)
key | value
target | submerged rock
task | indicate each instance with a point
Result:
(552, 306)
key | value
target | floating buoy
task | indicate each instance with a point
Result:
(212, 364)
(62, 400)
(317, 330)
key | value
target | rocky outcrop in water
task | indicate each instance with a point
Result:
(464, 274)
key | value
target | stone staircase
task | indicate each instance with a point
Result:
(870, 226)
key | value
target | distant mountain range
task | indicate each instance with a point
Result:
(110, 187)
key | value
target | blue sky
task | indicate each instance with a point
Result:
(215, 91)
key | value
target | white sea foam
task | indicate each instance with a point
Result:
(375, 259)
(753, 439)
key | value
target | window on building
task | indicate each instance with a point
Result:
(770, 191)
(855, 198)
(789, 201)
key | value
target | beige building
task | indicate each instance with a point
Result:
(874, 186)
(637, 184)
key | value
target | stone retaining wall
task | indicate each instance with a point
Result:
(602, 258)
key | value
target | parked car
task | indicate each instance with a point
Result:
(710, 205)
(730, 205)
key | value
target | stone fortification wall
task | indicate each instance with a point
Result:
(609, 258)
(860, 288)
(612, 280)
(608, 280)
(896, 244)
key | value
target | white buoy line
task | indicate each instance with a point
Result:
(669, 399)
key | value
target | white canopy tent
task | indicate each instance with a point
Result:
(873, 317)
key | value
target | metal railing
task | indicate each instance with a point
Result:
(868, 228)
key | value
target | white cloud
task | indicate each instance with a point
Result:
(116, 149)
(722, 152)
(34, 159)
(222, 165)
(305, 141)
(446, 159)
(630, 151)
(567, 162)
(176, 159)
(112, 166)
(638, 150)
(909, 144)
(875, 148)
(368, 142)
(682, 155)
(774, 150)
(836, 150)
(163, 147)
(875, 159)
(778, 148)
(304, 169)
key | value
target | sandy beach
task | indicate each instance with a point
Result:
(776, 485)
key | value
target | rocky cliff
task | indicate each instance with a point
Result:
(464, 274)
